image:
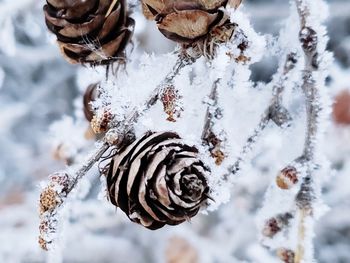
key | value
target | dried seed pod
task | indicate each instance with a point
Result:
(52, 195)
(90, 95)
(158, 180)
(90, 31)
(49, 200)
(287, 178)
(186, 21)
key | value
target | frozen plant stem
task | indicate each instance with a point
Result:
(309, 41)
(275, 112)
(213, 114)
(87, 166)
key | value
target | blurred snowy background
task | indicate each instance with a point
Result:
(37, 88)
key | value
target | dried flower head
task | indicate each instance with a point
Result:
(49, 200)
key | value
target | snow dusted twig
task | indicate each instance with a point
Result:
(209, 137)
(309, 41)
(61, 184)
(275, 112)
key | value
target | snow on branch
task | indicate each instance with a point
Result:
(229, 50)
(274, 112)
(61, 184)
(305, 200)
(302, 205)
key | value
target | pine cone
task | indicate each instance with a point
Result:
(90, 31)
(158, 180)
(90, 95)
(187, 21)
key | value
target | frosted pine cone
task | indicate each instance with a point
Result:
(158, 180)
(186, 21)
(90, 31)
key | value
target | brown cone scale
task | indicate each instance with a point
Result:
(90, 31)
(158, 180)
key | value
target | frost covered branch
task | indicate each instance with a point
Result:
(309, 41)
(209, 137)
(274, 112)
(61, 184)
(303, 209)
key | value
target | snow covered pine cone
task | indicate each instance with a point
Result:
(158, 180)
(90, 31)
(188, 21)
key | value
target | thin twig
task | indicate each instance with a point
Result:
(275, 112)
(213, 114)
(87, 166)
(209, 116)
(305, 197)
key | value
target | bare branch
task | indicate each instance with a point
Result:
(275, 112)
(209, 137)
(305, 197)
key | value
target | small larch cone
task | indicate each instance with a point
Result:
(90, 31)
(186, 21)
(158, 180)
